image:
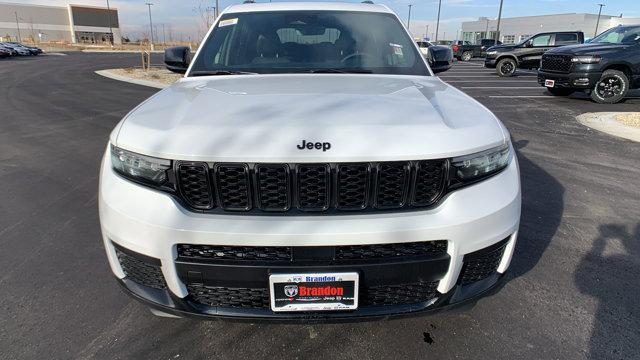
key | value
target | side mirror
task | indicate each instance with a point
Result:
(440, 58)
(528, 44)
(177, 59)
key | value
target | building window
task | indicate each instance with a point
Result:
(524, 37)
(509, 39)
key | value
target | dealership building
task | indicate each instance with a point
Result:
(516, 29)
(76, 24)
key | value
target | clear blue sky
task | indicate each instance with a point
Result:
(183, 18)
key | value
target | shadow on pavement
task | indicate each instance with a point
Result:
(542, 208)
(607, 273)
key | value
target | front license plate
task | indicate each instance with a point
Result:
(549, 83)
(314, 292)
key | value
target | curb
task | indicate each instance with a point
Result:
(109, 74)
(607, 123)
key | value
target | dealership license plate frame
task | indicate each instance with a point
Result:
(549, 83)
(298, 305)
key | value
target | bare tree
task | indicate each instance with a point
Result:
(206, 17)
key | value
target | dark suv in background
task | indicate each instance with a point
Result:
(607, 67)
(527, 54)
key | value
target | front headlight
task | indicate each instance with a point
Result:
(492, 52)
(476, 166)
(586, 59)
(140, 168)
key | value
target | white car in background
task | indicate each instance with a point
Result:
(309, 165)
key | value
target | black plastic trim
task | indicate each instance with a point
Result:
(145, 258)
(256, 176)
(250, 186)
(210, 186)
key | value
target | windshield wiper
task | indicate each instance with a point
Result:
(220, 72)
(340, 71)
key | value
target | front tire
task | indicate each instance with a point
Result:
(560, 91)
(506, 67)
(612, 87)
(467, 55)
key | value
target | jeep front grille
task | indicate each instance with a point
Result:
(311, 188)
(556, 63)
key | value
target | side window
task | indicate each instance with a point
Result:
(566, 39)
(542, 40)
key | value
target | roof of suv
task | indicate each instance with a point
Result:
(285, 6)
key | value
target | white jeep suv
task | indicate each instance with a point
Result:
(309, 165)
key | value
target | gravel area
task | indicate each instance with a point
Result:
(630, 119)
(160, 75)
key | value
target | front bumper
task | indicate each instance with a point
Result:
(490, 62)
(141, 226)
(573, 80)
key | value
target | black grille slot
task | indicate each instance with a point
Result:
(429, 182)
(258, 298)
(232, 181)
(229, 297)
(390, 251)
(556, 63)
(391, 185)
(273, 187)
(140, 271)
(193, 181)
(352, 185)
(481, 264)
(313, 186)
(343, 254)
(199, 253)
(402, 294)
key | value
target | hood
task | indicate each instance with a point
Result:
(587, 49)
(263, 118)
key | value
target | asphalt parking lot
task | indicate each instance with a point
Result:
(572, 291)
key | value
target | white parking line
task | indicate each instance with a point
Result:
(469, 72)
(501, 87)
(540, 97)
(522, 96)
(487, 81)
(480, 76)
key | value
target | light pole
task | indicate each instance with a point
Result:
(150, 23)
(486, 30)
(409, 18)
(215, 10)
(110, 29)
(598, 22)
(497, 34)
(438, 22)
(426, 33)
(18, 26)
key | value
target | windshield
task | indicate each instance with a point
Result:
(619, 35)
(308, 41)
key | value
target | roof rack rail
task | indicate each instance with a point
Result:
(248, 2)
(367, 2)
